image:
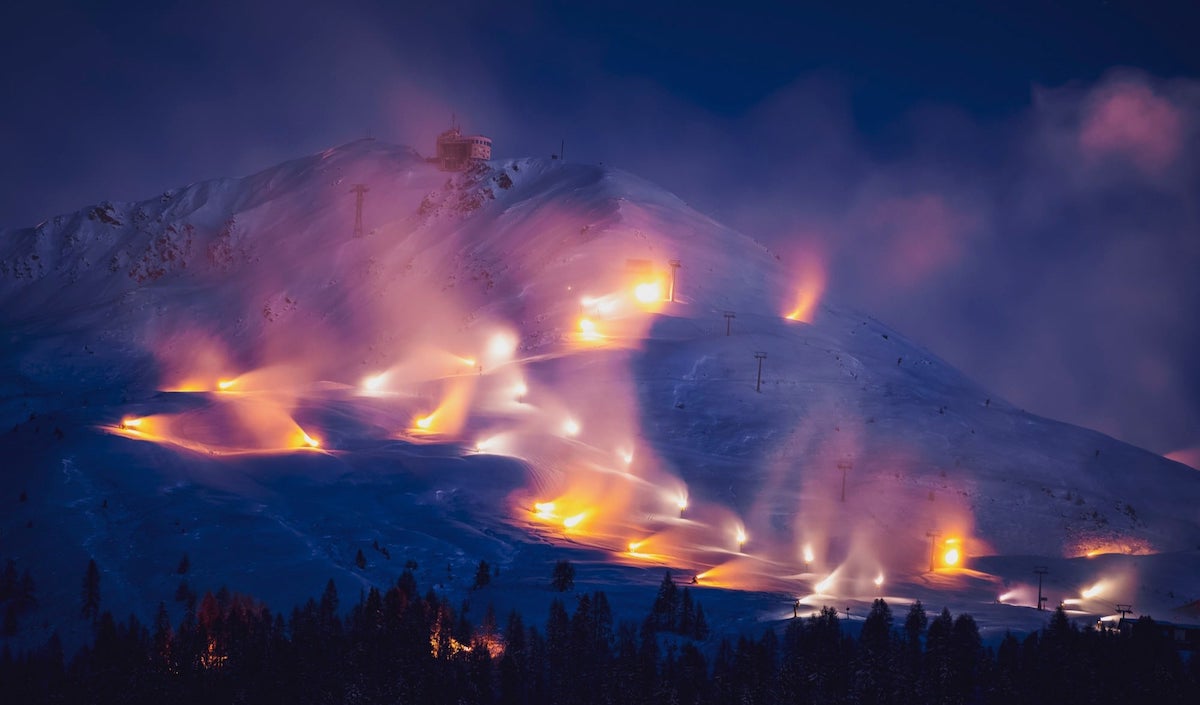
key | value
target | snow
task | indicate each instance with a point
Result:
(258, 283)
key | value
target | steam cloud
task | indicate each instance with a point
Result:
(1051, 254)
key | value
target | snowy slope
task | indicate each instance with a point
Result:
(237, 318)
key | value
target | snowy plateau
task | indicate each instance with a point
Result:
(506, 366)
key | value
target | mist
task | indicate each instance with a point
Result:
(1048, 249)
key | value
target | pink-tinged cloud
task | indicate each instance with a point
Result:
(1130, 120)
(1187, 456)
(917, 236)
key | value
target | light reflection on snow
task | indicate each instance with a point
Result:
(462, 383)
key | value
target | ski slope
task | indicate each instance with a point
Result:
(496, 371)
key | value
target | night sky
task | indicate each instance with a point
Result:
(1015, 185)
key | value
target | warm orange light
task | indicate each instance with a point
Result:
(191, 385)
(225, 384)
(544, 510)
(572, 521)
(587, 329)
(1094, 590)
(425, 422)
(502, 345)
(635, 551)
(1128, 546)
(648, 292)
(374, 383)
(812, 286)
(805, 308)
(951, 556)
(253, 426)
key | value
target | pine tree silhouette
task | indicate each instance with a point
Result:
(563, 578)
(91, 591)
(483, 575)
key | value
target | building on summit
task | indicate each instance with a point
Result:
(456, 151)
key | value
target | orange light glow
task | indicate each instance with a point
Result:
(1126, 546)
(231, 426)
(502, 345)
(644, 550)
(572, 521)
(191, 385)
(648, 292)
(544, 510)
(812, 286)
(225, 384)
(588, 330)
(451, 412)
(738, 573)
(951, 556)
(374, 383)
(1094, 590)
(155, 428)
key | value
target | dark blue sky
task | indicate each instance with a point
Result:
(1013, 146)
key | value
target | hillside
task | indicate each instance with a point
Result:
(495, 371)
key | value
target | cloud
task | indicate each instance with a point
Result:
(912, 238)
(1187, 456)
(1129, 120)
(1050, 255)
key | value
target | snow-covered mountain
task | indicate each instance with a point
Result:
(495, 370)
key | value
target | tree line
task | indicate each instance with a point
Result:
(399, 646)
